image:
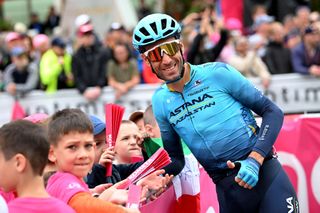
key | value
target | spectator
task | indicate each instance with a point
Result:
(292, 33)
(22, 75)
(249, 63)
(202, 49)
(104, 155)
(127, 143)
(234, 26)
(70, 134)
(85, 19)
(278, 57)
(35, 24)
(116, 34)
(52, 21)
(137, 118)
(120, 171)
(12, 39)
(20, 27)
(88, 65)
(302, 17)
(122, 72)
(28, 45)
(24, 153)
(306, 55)
(82, 19)
(259, 39)
(41, 44)
(55, 67)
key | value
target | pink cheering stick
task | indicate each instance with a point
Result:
(114, 114)
(157, 161)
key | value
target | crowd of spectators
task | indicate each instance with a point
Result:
(49, 62)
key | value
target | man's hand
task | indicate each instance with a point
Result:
(314, 70)
(248, 174)
(155, 183)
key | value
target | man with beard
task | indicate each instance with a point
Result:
(209, 107)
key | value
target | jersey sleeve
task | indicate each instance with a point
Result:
(84, 202)
(249, 96)
(171, 140)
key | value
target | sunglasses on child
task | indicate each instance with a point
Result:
(156, 53)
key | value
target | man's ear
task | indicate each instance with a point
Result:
(20, 162)
(52, 157)
(149, 130)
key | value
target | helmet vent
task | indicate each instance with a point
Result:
(172, 24)
(163, 23)
(148, 40)
(154, 27)
(144, 31)
(167, 32)
(137, 38)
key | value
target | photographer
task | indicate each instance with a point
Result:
(202, 49)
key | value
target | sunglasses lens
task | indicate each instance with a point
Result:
(170, 49)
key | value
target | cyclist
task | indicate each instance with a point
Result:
(209, 107)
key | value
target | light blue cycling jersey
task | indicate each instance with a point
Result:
(212, 115)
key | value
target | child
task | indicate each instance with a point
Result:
(72, 150)
(127, 142)
(122, 72)
(23, 155)
(128, 132)
(106, 155)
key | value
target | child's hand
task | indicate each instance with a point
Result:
(100, 188)
(107, 194)
(107, 156)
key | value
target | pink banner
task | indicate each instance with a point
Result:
(298, 147)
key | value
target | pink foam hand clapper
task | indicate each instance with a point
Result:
(134, 195)
(114, 114)
(157, 161)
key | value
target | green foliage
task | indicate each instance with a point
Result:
(5, 25)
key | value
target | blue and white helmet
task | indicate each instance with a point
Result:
(153, 28)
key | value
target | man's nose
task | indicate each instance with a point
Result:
(166, 58)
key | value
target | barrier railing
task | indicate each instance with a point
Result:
(294, 93)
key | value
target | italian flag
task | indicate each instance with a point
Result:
(187, 183)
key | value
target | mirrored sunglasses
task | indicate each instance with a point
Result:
(156, 53)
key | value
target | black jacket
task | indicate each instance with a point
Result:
(195, 56)
(278, 58)
(119, 172)
(89, 67)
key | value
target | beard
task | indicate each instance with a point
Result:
(179, 64)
